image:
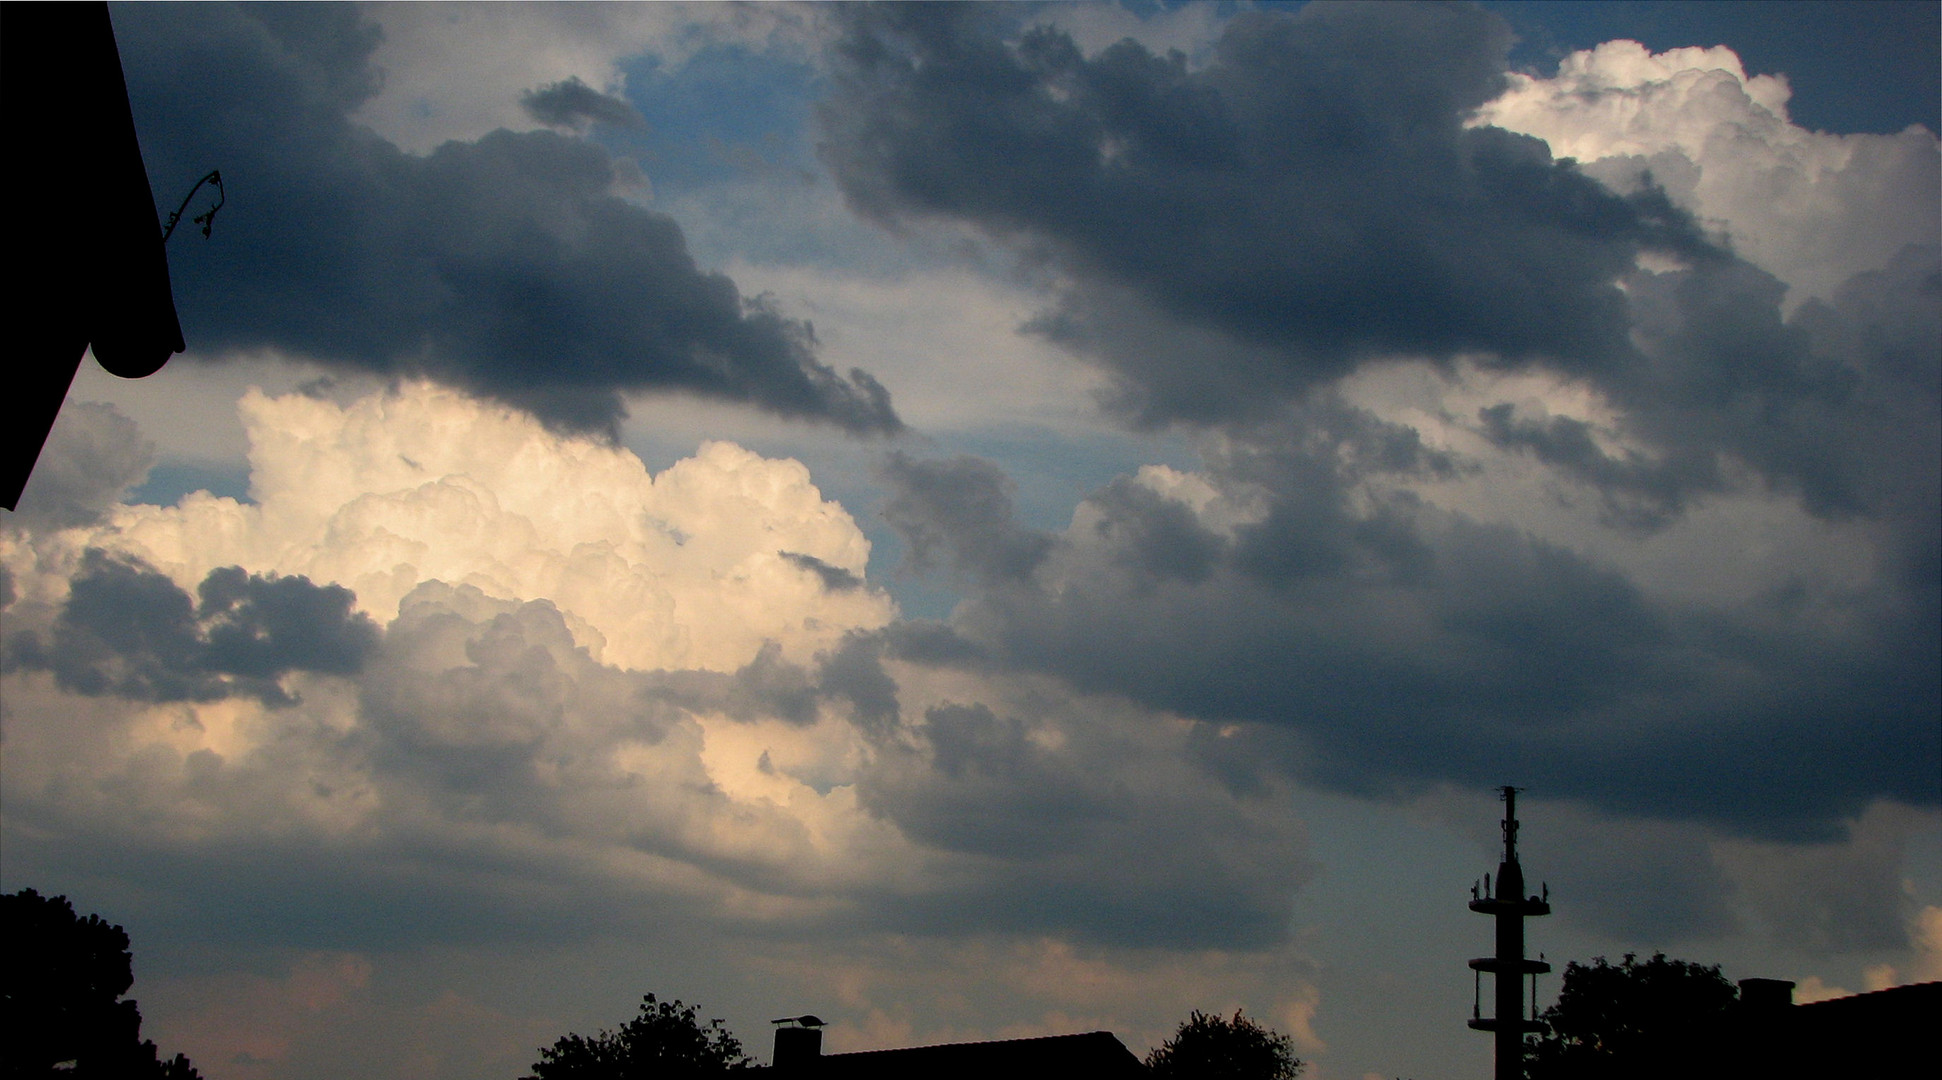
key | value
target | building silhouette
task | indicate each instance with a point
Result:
(1094, 1054)
(1884, 1035)
(1505, 902)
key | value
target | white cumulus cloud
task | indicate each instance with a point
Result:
(1812, 208)
(687, 569)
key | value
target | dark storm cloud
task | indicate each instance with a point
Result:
(853, 672)
(129, 631)
(1838, 406)
(928, 641)
(959, 513)
(1724, 372)
(1310, 197)
(504, 266)
(1884, 454)
(771, 687)
(1237, 237)
(1231, 240)
(1870, 447)
(971, 743)
(766, 686)
(574, 104)
(1403, 646)
(834, 578)
(1638, 491)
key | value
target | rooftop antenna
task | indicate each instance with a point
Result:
(1510, 907)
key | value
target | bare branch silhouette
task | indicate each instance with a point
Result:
(206, 219)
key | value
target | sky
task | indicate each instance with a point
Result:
(990, 521)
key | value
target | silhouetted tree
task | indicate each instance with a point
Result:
(1661, 1018)
(61, 988)
(1218, 1048)
(667, 1039)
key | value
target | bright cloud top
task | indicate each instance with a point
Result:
(694, 568)
(1809, 207)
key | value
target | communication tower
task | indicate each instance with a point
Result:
(1507, 903)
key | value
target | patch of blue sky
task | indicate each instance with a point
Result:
(1392, 952)
(169, 481)
(1055, 469)
(729, 149)
(793, 219)
(719, 117)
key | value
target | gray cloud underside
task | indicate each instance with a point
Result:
(1378, 645)
(483, 732)
(504, 266)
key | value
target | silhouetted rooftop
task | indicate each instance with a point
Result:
(1875, 1036)
(1092, 1054)
(1916, 999)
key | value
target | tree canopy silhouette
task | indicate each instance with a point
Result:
(667, 1040)
(1222, 1048)
(62, 988)
(1659, 1017)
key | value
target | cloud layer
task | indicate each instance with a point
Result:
(447, 661)
(1400, 645)
(1576, 431)
(1267, 244)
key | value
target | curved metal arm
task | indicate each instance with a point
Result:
(206, 219)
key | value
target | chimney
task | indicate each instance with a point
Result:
(1760, 1037)
(798, 1043)
(1766, 995)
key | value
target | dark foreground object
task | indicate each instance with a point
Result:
(1508, 907)
(84, 254)
(1676, 1020)
(1095, 1054)
(1886, 1035)
(62, 1009)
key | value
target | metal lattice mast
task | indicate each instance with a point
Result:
(1507, 903)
